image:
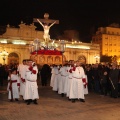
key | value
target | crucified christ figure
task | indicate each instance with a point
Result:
(46, 28)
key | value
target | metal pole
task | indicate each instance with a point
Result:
(112, 83)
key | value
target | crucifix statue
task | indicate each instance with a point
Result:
(45, 24)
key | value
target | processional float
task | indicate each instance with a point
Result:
(47, 51)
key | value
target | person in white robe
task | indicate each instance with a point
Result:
(85, 81)
(71, 65)
(69, 79)
(58, 78)
(31, 87)
(66, 79)
(55, 83)
(78, 83)
(21, 71)
(63, 72)
(13, 86)
(52, 75)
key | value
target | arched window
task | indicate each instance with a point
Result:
(82, 59)
(13, 58)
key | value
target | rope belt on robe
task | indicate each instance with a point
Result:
(31, 81)
(13, 81)
(63, 75)
(76, 77)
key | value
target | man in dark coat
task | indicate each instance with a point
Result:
(96, 77)
(114, 79)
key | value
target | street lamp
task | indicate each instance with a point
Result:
(96, 57)
(4, 54)
(62, 48)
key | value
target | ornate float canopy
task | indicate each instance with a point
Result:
(47, 53)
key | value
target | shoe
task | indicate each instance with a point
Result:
(25, 101)
(73, 100)
(35, 102)
(16, 100)
(62, 94)
(28, 102)
(11, 100)
(69, 99)
(82, 100)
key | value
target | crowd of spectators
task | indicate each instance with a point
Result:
(4, 72)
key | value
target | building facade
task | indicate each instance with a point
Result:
(109, 40)
(16, 42)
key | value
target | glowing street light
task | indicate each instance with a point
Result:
(62, 48)
(4, 54)
(96, 57)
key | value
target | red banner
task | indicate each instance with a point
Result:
(47, 52)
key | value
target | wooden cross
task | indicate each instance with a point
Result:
(46, 20)
(46, 26)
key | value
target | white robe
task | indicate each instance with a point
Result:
(86, 88)
(63, 72)
(69, 81)
(15, 87)
(58, 81)
(77, 85)
(52, 76)
(55, 81)
(21, 70)
(66, 80)
(31, 87)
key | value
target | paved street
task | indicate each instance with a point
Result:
(52, 106)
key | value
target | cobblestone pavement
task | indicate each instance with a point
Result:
(52, 106)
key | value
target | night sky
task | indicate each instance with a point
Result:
(82, 15)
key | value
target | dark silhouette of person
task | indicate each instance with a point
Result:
(2, 74)
(45, 74)
(114, 79)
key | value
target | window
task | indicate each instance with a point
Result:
(106, 44)
(110, 44)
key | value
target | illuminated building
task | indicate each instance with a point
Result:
(109, 40)
(16, 42)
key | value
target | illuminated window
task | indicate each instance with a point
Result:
(110, 44)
